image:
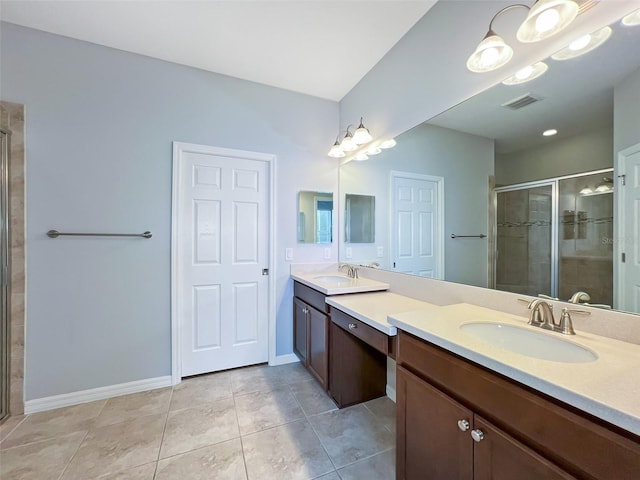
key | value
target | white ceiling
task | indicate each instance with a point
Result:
(321, 48)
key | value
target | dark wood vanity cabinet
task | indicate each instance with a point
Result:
(358, 360)
(519, 433)
(311, 332)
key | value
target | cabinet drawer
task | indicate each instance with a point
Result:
(310, 296)
(578, 442)
(361, 330)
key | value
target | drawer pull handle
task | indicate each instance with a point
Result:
(463, 425)
(477, 435)
(352, 326)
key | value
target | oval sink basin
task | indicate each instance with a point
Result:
(528, 342)
(332, 279)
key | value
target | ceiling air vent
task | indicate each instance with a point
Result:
(523, 101)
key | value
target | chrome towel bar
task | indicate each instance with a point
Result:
(56, 234)
(482, 235)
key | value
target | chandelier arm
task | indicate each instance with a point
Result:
(504, 10)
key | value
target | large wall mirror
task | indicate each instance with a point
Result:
(551, 207)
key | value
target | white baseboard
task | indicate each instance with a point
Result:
(391, 393)
(284, 359)
(100, 393)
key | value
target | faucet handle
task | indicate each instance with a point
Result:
(566, 325)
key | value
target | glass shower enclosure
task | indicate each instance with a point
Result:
(4, 273)
(553, 237)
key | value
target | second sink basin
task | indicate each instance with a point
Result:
(528, 342)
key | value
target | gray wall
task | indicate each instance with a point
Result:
(565, 156)
(626, 119)
(465, 161)
(99, 131)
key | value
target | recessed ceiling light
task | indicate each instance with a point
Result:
(549, 133)
(527, 74)
(632, 19)
(583, 44)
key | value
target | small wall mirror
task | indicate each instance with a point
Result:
(315, 217)
(359, 214)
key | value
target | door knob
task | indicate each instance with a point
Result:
(463, 425)
(477, 435)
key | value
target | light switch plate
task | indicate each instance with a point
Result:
(349, 252)
(380, 252)
(288, 254)
(327, 253)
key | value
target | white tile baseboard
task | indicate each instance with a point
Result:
(284, 359)
(100, 393)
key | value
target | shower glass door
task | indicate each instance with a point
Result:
(585, 237)
(524, 241)
(4, 273)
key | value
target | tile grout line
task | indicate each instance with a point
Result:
(164, 429)
(24, 417)
(64, 470)
(244, 459)
(316, 434)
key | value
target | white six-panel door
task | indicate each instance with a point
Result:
(417, 224)
(627, 289)
(222, 252)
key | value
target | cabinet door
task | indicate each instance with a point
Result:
(498, 456)
(318, 345)
(430, 443)
(300, 330)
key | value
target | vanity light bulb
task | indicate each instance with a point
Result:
(348, 145)
(388, 143)
(586, 191)
(549, 133)
(524, 73)
(547, 20)
(580, 43)
(491, 53)
(632, 19)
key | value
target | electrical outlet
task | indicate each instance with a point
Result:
(288, 254)
(380, 252)
(349, 252)
(327, 253)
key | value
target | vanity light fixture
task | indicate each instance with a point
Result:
(545, 18)
(550, 133)
(527, 74)
(362, 135)
(586, 191)
(388, 143)
(583, 44)
(374, 150)
(336, 151)
(632, 19)
(347, 144)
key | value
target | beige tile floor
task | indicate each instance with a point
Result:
(255, 423)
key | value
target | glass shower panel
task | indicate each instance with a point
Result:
(524, 240)
(4, 265)
(585, 244)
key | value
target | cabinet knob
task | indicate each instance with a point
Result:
(477, 435)
(352, 326)
(463, 425)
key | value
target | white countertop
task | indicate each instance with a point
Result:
(374, 308)
(608, 387)
(349, 285)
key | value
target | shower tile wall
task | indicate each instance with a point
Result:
(12, 119)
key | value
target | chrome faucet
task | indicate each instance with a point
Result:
(352, 271)
(580, 297)
(542, 316)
